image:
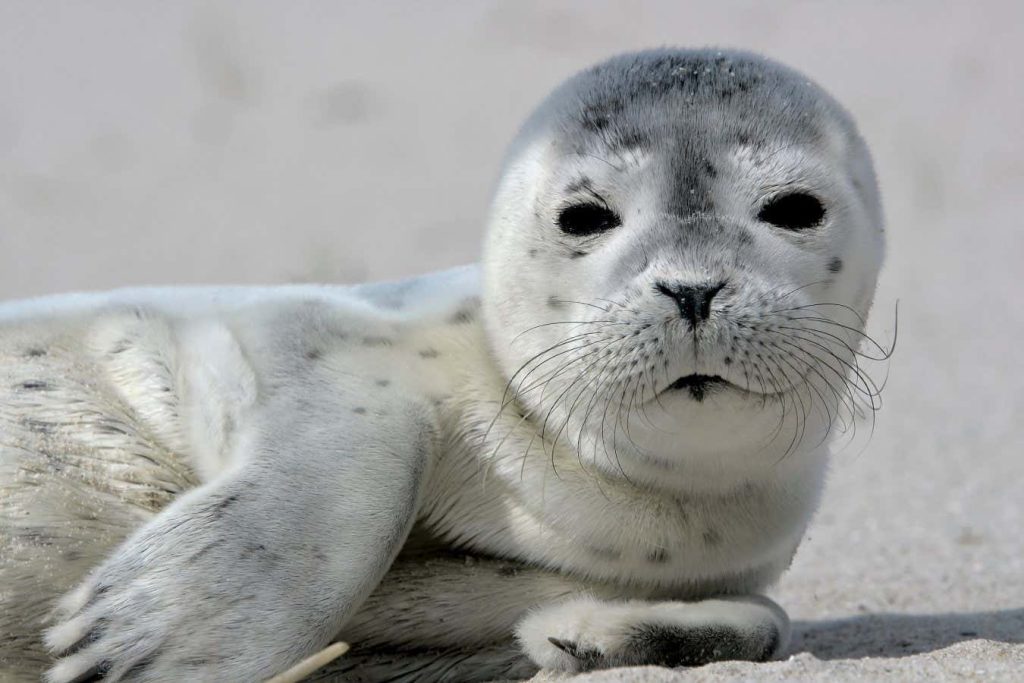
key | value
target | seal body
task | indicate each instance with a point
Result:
(594, 450)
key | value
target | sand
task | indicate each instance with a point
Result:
(174, 143)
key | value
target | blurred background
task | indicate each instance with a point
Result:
(263, 142)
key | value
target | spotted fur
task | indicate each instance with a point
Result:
(563, 459)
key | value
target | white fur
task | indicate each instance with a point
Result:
(573, 501)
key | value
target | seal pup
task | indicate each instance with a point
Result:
(597, 449)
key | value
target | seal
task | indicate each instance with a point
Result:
(596, 449)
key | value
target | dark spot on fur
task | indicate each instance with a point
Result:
(110, 428)
(672, 646)
(375, 341)
(709, 169)
(37, 426)
(462, 316)
(508, 570)
(465, 314)
(555, 302)
(97, 593)
(576, 253)
(382, 382)
(359, 410)
(35, 385)
(727, 360)
(630, 139)
(35, 352)
(223, 505)
(596, 118)
(711, 538)
(120, 346)
(658, 556)
(314, 354)
(429, 353)
(72, 555)
(258, 550)
(835, 265)
(93, 674)
(682, 509)
(607, 554)
(93, 635)
(578, 185)
(532, 253)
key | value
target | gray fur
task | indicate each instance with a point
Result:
(218, 481)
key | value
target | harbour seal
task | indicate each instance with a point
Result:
(594, 450)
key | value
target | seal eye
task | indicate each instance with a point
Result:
(587, 219)
(796, 211)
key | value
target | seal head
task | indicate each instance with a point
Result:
(680, 257)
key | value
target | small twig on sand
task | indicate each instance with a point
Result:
(310, 664)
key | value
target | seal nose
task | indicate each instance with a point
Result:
(693, 301)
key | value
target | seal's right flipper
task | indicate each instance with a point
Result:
(249, 573)
(582, 633)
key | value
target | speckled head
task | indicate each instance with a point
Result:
(684, 242)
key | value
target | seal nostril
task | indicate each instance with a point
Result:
(665, 289)
(693, 301)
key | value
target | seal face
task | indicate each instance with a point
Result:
(681, 254)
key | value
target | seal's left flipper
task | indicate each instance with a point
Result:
(583, 633)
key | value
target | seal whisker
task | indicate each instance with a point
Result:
(783, 356)
(851, 372)
(865, 386)
(885, 353)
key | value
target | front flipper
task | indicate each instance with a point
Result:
(582, 634)
(248, 574)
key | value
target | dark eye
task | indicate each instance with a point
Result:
(796, 211)
(587, 219)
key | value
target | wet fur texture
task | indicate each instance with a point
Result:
(476, 473)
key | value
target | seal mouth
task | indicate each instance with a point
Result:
(698, 385)
(701, 386)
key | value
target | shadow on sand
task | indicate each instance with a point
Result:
(902, 635)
